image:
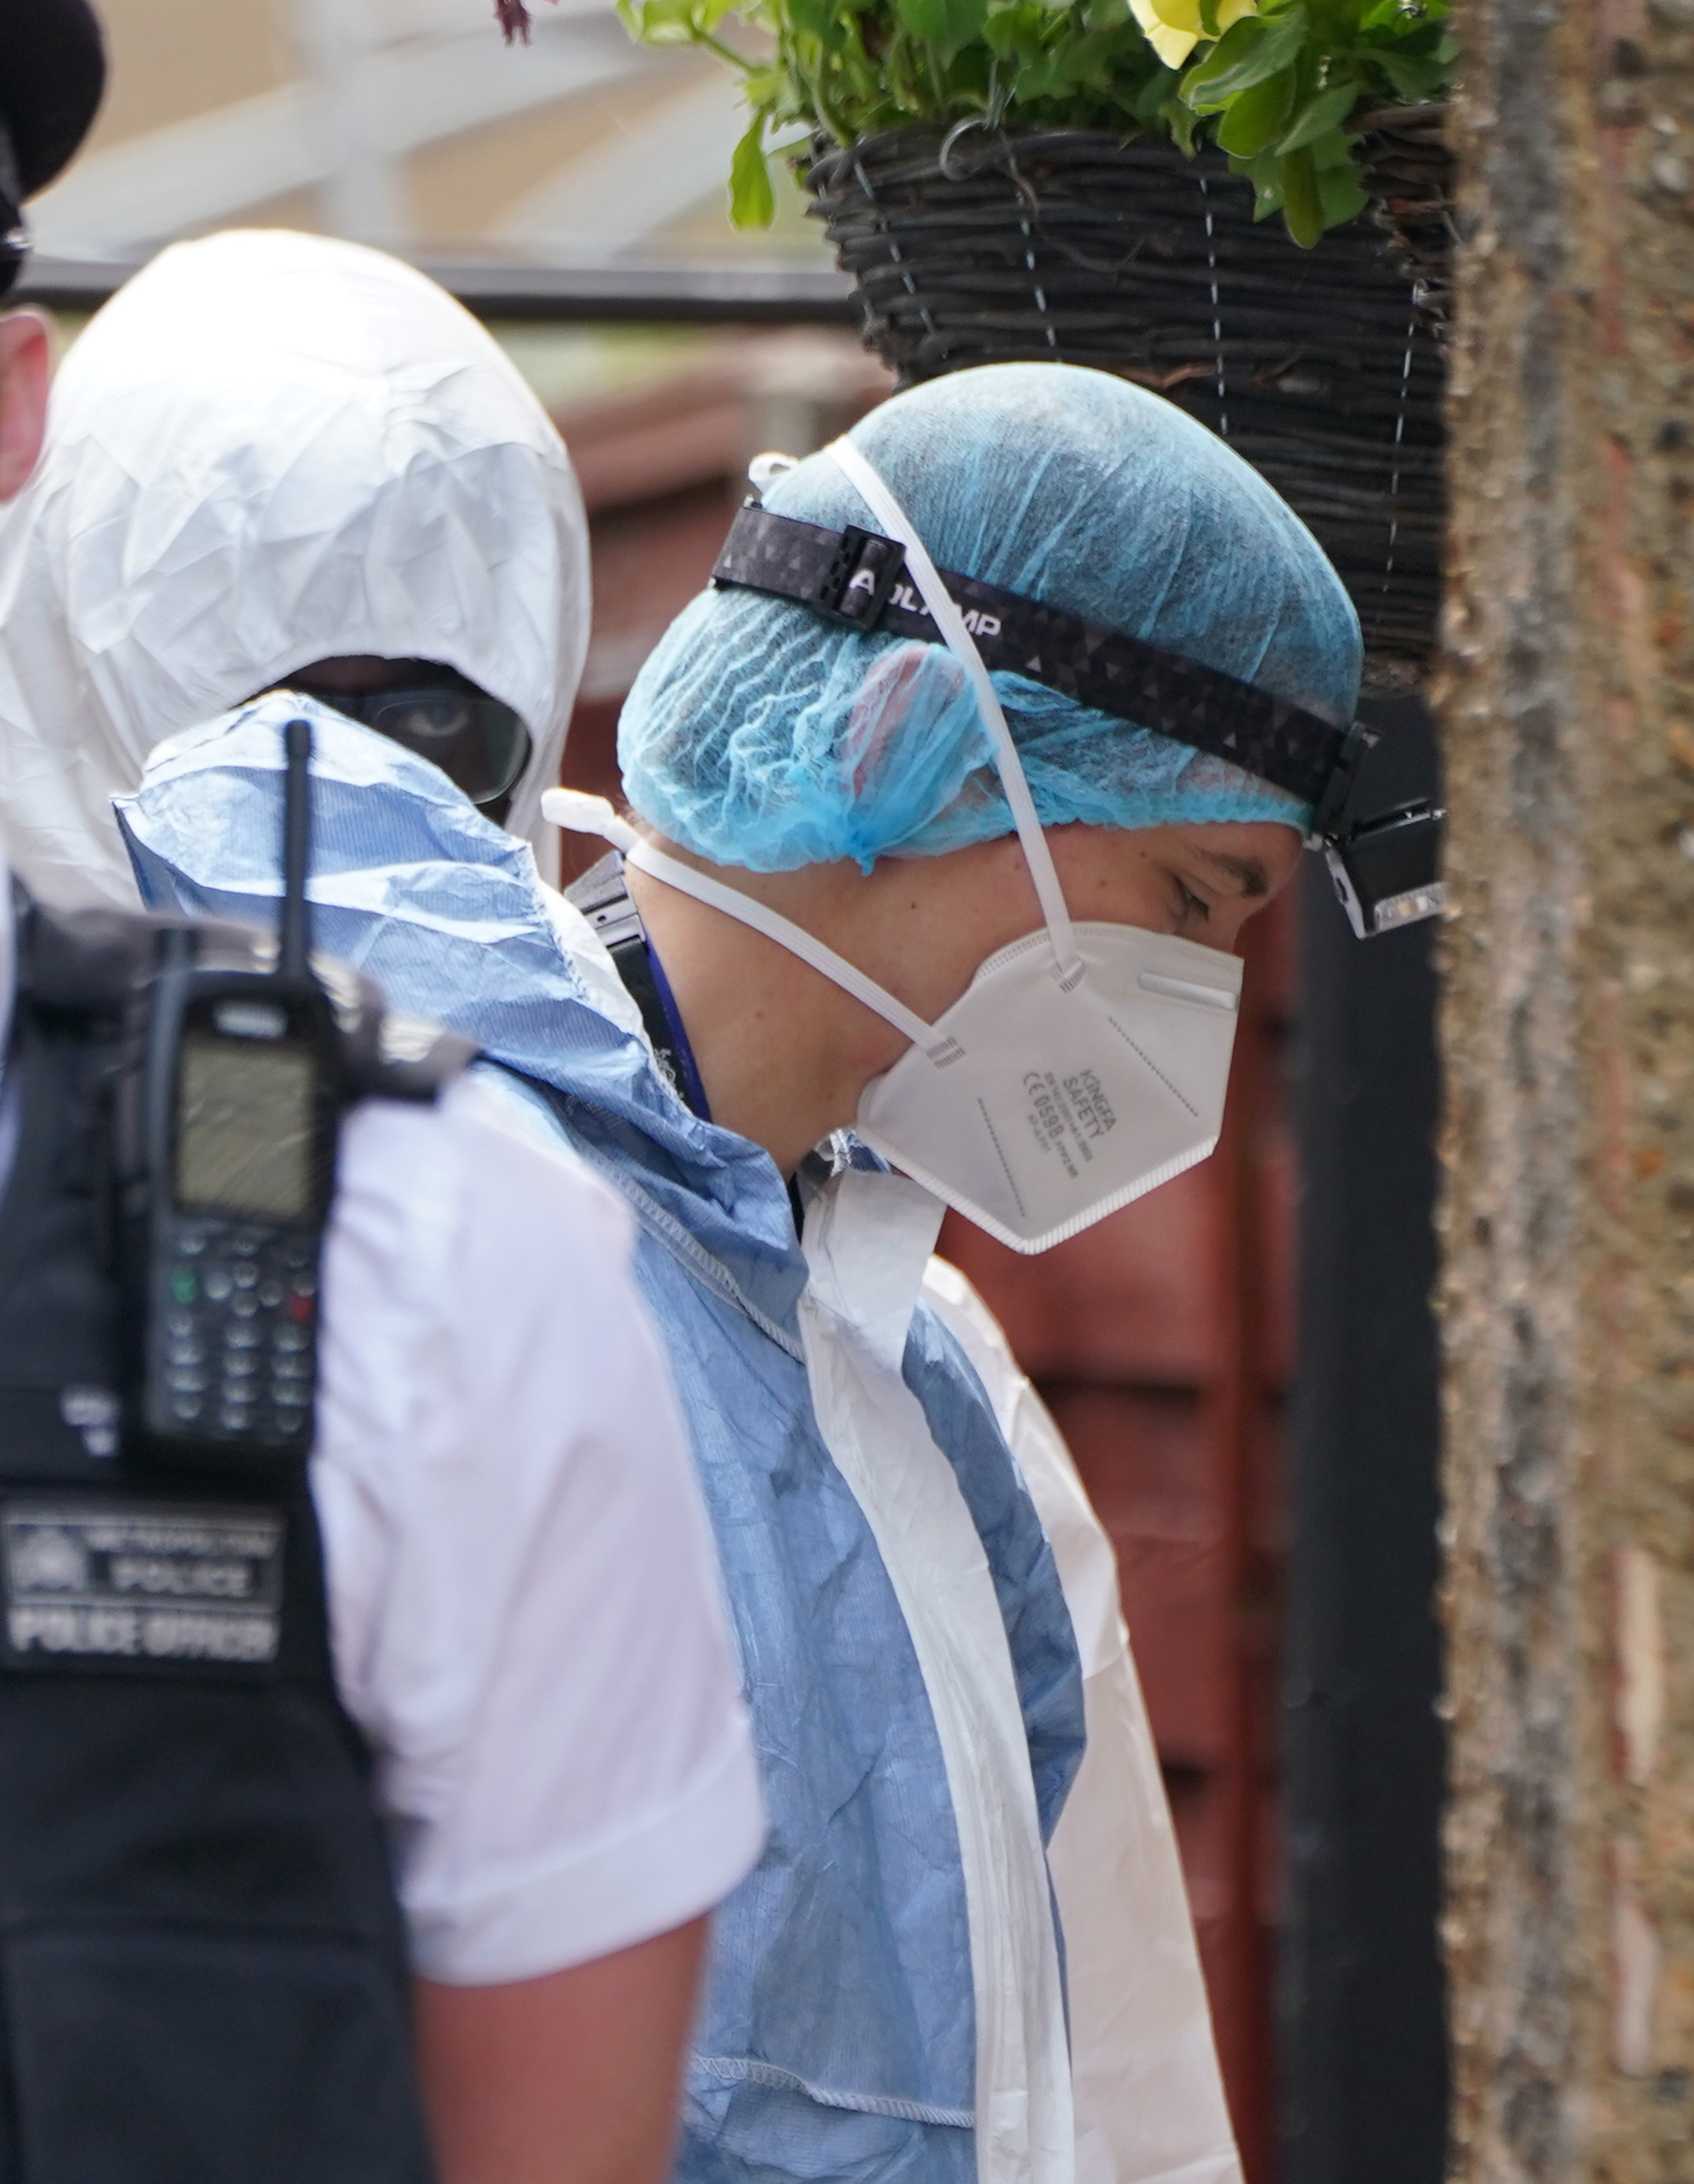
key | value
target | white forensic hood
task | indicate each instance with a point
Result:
(268, 449)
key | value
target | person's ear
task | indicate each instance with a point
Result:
(913, 737)
(25, 368)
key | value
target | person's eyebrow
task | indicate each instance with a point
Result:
(1248, 874)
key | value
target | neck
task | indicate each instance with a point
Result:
(782, 1053)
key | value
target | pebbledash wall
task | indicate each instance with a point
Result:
(1162, 1338)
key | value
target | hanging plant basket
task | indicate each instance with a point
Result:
(1323, 367)
(1411, 182)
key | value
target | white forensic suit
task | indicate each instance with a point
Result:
(269, 449)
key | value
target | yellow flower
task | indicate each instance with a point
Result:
(1174, 29)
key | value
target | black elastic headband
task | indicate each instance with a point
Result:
(858, 578)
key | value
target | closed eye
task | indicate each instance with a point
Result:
(1192, 904)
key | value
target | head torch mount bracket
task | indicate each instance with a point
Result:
(1386, 868)
(860, 578)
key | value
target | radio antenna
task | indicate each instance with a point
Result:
(294, 947)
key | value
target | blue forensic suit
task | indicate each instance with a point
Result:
(837, 2037)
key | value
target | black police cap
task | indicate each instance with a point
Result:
(52, 70)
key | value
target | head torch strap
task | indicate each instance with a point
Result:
(860, 579)
(950, 625)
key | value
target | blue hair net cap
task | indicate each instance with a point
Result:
(760, 734)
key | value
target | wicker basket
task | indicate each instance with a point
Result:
(1323, 367)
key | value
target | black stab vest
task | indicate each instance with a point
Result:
(202, 1974)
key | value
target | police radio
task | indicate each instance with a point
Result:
(227, 1181)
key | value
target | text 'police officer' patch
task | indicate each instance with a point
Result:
(127, 1583)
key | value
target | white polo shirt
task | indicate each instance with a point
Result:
(523, 1593)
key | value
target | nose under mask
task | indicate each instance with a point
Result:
(1082, 1067)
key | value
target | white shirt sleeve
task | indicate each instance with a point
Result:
(523, 1592)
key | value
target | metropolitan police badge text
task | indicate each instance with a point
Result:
(140, 1582)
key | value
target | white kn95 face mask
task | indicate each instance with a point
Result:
(1082, 1067)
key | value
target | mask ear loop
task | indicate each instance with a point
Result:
(950, 622)
(593, 814)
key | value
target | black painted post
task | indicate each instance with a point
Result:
(1364, 2064)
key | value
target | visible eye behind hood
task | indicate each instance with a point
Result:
(269, 449)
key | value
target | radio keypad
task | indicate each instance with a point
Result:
(237, 1353)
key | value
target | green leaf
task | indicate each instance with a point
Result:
(1248, 53)
(1264, 174)
(1414, 80)
(1302, 209)
(1317, 117)
(1149, 102)
(752, 202)
(1035, 79)
(665, 22)
(1014, 34)
(1337, 149)
(1182, 121)
(946, 24)
(1256, 118)
(1084, 62)
(1342, 195)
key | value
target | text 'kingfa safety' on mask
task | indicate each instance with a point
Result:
(1083, 1065)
